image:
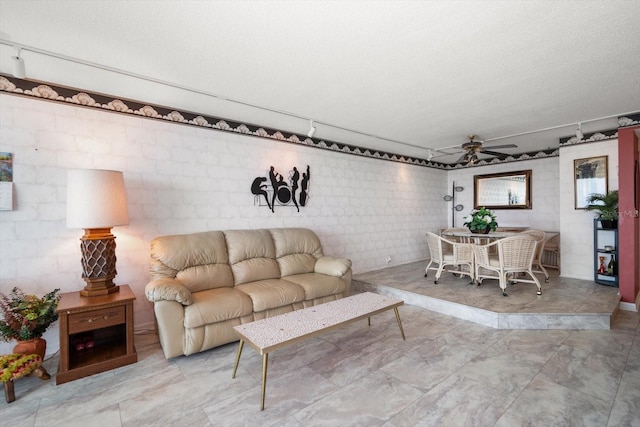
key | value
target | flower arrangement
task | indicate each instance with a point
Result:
(480, 219)
(17, 365)
(27, 316)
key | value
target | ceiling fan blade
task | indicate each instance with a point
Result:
(493, 153)
(462, 158)
(503, 146)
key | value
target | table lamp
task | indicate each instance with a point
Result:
(96, 201)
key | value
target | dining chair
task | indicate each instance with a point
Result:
(460, 256)
(551, 252)
(540, 237)
(515, 255)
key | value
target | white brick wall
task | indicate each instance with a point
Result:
(182, 179)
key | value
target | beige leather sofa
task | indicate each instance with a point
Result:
(204, 284)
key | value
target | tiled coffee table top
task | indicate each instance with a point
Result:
(268, 334)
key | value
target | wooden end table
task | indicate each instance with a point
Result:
(108, 321)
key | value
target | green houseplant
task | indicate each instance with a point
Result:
(27, 317)
(607, 207)
(481, 221)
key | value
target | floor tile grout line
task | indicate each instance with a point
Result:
(534, 376)
(626, 362)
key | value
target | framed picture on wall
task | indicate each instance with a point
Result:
(590, 176)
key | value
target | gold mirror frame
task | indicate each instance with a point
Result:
(507, 190)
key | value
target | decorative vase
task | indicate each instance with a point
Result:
(485, 231)
(33, 346)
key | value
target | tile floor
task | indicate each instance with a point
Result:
(449, 371)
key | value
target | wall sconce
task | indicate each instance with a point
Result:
(452, 198)
(96, 201)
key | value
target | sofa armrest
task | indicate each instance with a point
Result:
(166, 289)
(332, 266)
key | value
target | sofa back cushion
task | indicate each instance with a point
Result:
(252, 255)
(199, 260)
(297, 250)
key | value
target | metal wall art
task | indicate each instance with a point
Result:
(272, 189)
(452, 198)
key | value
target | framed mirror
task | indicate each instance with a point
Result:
(507, 190)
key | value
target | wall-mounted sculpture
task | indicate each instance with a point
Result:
(452, 198)
(281, 192)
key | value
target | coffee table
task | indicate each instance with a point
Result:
(280, 331)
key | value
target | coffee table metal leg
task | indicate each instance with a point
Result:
(235, 367)
(265, 358)
(399, 322)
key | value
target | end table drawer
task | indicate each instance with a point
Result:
(96, 319)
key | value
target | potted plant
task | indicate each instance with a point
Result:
(607, 207)
(26, 318)
(481, 221)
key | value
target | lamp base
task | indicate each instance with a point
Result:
(94, 289)
(98, 247)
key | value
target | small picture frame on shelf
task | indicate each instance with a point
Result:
(590, 176)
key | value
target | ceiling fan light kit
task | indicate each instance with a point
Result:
(473, 148)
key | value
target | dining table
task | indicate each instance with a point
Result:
(479, 239)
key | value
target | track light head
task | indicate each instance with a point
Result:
(579, 133)
(18, 66)
(312, 129)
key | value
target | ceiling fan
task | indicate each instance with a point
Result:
(473, 147)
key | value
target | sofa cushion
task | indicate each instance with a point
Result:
(251, 255)
(271, 293)
(216, 305)
(203, 256)
(318, 285)
(297, 250)
(203, 277)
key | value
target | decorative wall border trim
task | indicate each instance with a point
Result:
(629, 120)
(51, 92)
(589, 137)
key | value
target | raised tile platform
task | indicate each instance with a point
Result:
(564, 303)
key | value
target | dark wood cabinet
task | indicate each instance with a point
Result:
(107, 321)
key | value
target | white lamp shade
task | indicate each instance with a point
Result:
(96, 199)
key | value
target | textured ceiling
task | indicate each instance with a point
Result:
(422, 73)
